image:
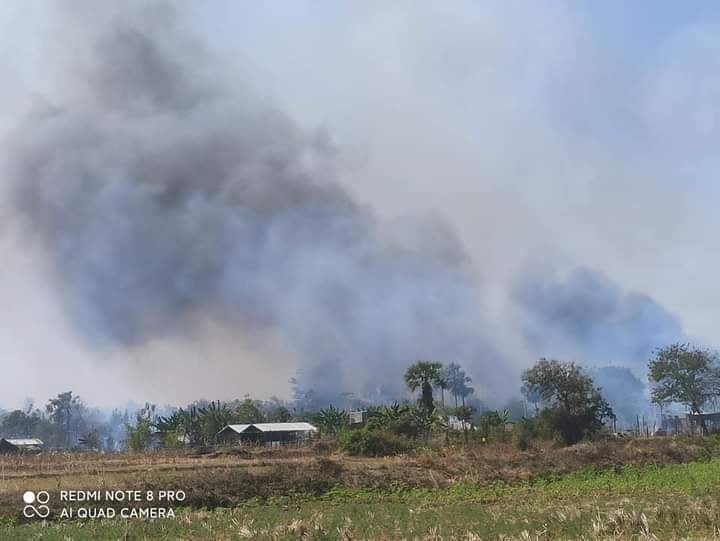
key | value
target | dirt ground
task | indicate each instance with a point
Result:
(229, 476)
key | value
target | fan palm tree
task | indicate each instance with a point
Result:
(457, 381)
(423, 374)
(441, 381)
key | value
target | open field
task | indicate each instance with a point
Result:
(644, 489)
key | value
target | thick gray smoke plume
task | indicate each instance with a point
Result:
(589, 318)
(625, 392)
(160, 194)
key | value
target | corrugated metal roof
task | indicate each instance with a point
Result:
(273, 427)
(285, 427)
(20, 442)
(236, 428)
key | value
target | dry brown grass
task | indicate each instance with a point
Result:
(224, 477)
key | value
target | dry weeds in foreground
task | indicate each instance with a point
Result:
(615, 525)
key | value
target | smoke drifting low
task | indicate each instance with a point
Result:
(161, 194)
(625, 393)
(589, 318)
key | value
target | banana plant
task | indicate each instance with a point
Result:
(331, 419)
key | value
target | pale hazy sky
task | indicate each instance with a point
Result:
(551, 134)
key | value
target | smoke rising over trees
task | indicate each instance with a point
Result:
(163, 193)
(624, 391)
(585, 315)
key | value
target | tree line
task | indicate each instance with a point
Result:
(568, 407)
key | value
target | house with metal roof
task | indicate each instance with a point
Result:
(266, 433)
(21, 445)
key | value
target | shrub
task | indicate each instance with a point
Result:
(323, 447)
(172, 440)
(328, 467)
(366, 442)
(523, 433)
(565, 428)
(400, 419)
(492, 426)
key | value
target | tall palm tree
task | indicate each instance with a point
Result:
(423, 374)
(441, 381)
(457, 382)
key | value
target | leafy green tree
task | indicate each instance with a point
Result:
(279, 414)
(574, 407)
(66, 414)
(139, 435)
(423, 374)
(247, 412)
(684, 374)
(19, 423)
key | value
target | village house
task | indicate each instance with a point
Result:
(456, 424)
(268, 433)
(356, 418)
(21, 445)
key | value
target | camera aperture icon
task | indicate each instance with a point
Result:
(41, 498)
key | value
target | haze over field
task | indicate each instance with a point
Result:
(204, 200)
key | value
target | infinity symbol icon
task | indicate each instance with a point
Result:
(41, 510)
